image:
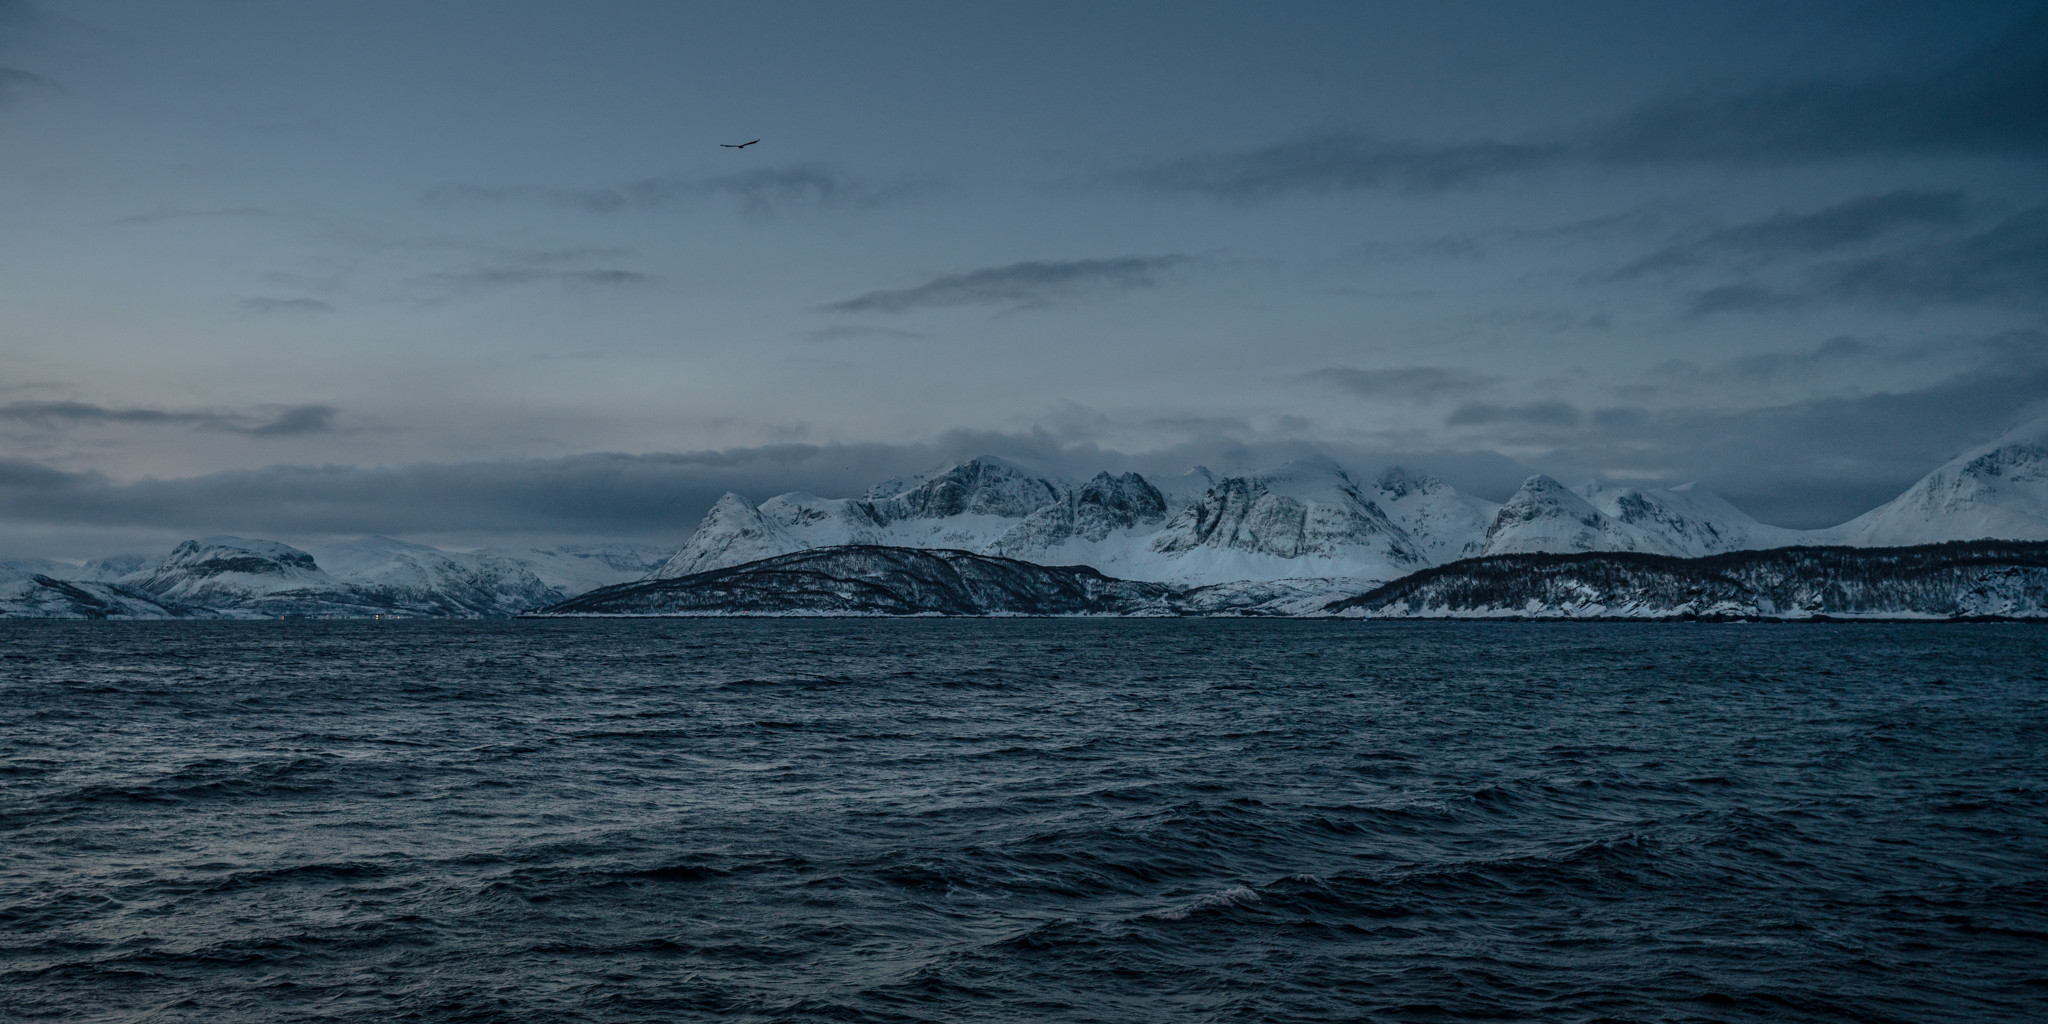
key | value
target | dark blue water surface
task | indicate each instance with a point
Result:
(1022, 820)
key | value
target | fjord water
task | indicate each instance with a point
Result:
(1022, 820)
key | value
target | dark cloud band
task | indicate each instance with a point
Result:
(1415, 383)
(1017, 284)
(291, 421)
(762, 190)
(1992, 104)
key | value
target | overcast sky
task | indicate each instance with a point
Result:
(462, 271)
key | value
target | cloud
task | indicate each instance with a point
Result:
(595, 494)
(518, 268)
(763, 190)
(855, 332)
(1341, 163)
(289, 421)
(1627, 225)
(1413, 382)
(15, 17)
(463, 282)
(1853, 222)
(1549, 415)
(1440, 247)
(226, 213)
(15, 82)
(1765, 366)
(2006, 263)
(1995, 103)
(1031, 283)
(266, 304)
(297, 421)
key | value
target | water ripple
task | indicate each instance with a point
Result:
(1022, 820)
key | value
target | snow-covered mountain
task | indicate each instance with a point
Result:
(37, 588)
(988, 506)
(579, 568)
(1443, 523)
(985, 486)
(1305, 519)
(234, 577)
(1084, 516)
(377, 576)
(1308, 521)
(232, 571)
(38, 595)
(734, 532)
(1545, 515)
(1687, 520)
(1999, 490)
(431, 581)
(23, 568)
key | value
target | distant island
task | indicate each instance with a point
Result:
(1980, 580)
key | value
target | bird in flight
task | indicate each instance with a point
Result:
(739, 145)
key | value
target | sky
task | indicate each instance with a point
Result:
(467, 272)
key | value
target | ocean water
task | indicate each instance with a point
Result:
(1022, 820)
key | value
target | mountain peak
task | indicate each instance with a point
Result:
(224, 553)
(986, 485)
(1544, 490)
(733, 531)
(731, 503)
(1544, 515)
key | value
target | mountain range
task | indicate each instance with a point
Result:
(1288, 540)
(235, 577)
(1310, 519)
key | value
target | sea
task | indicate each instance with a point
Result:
(1022, 820)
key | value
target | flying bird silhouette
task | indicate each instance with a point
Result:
(740, 145)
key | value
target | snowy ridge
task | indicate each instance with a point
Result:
(734, 532)
(1306, 520)
(226, 570)
(29, 594)
(1545, 515)
(1687, 521)
(1684, 521)
(233, 577)
(579, 568)
(429, 580)
(1999, 490)
(1444, 524)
